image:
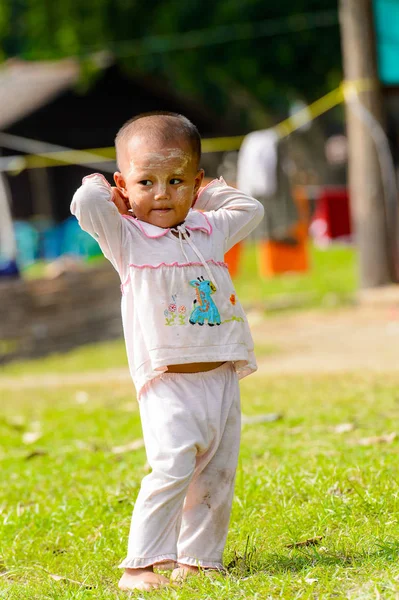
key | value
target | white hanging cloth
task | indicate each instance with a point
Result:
(257, 164)
(8, 248)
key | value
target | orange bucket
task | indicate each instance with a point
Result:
(233, 259)
(278, 257)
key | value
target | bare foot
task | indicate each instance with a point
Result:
(182, 572)
(142, 579)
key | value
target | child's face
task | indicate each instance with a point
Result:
(159, 182)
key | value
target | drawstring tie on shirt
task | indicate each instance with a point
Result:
(181, 230)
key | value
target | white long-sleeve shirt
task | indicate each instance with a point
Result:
(178, 300)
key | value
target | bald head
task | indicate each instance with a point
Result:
(161, 128)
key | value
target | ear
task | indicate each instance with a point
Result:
(198, 182)
(120, 184)
(194, 283)
(121, 203)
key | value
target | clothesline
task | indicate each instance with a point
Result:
(50, 155)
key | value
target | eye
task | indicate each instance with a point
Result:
(145, 182)
(175, 181)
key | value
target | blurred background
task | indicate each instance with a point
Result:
(264, 84)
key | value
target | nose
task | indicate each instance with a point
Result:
(161, 192)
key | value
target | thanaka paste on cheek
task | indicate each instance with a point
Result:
(182, 192)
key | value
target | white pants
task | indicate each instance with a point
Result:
(191, 426)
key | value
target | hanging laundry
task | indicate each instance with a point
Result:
(263, 172)
(8, 265)
(257, 163)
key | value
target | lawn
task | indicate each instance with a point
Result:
(331, 280)
(315, 513)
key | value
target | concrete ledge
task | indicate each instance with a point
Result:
(53, 315)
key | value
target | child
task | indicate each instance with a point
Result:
(187, 338)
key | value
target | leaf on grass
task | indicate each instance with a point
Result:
(294, 430)
(94, 447)
(96, 534)
(81, 397)
(30, 437)
(22, 507)
(16, 422)
(90, 446)
(67, 580)
(135, 445)
(81, 445)
(35, 453)
(4, 573)
(344, 428)
(266, 418)
(335, 490)
(123, 499)
(309, 542)
(387, 438)
(310, 580)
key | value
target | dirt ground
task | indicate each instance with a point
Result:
(316, 341)
(340, 340)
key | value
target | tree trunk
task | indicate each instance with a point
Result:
(376, 259)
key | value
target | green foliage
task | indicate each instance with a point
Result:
(4, 21)
(163, 38)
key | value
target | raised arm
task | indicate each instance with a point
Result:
(97, 214)
(230, 210)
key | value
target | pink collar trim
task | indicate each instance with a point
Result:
(195, 221)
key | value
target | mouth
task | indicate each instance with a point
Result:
(161, 211)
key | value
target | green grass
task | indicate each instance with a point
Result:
(331, 280)
(66, 499)
(37, 270)
(91, 357)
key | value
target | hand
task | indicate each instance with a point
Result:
(121, 203)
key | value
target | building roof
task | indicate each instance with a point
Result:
(26, 86)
